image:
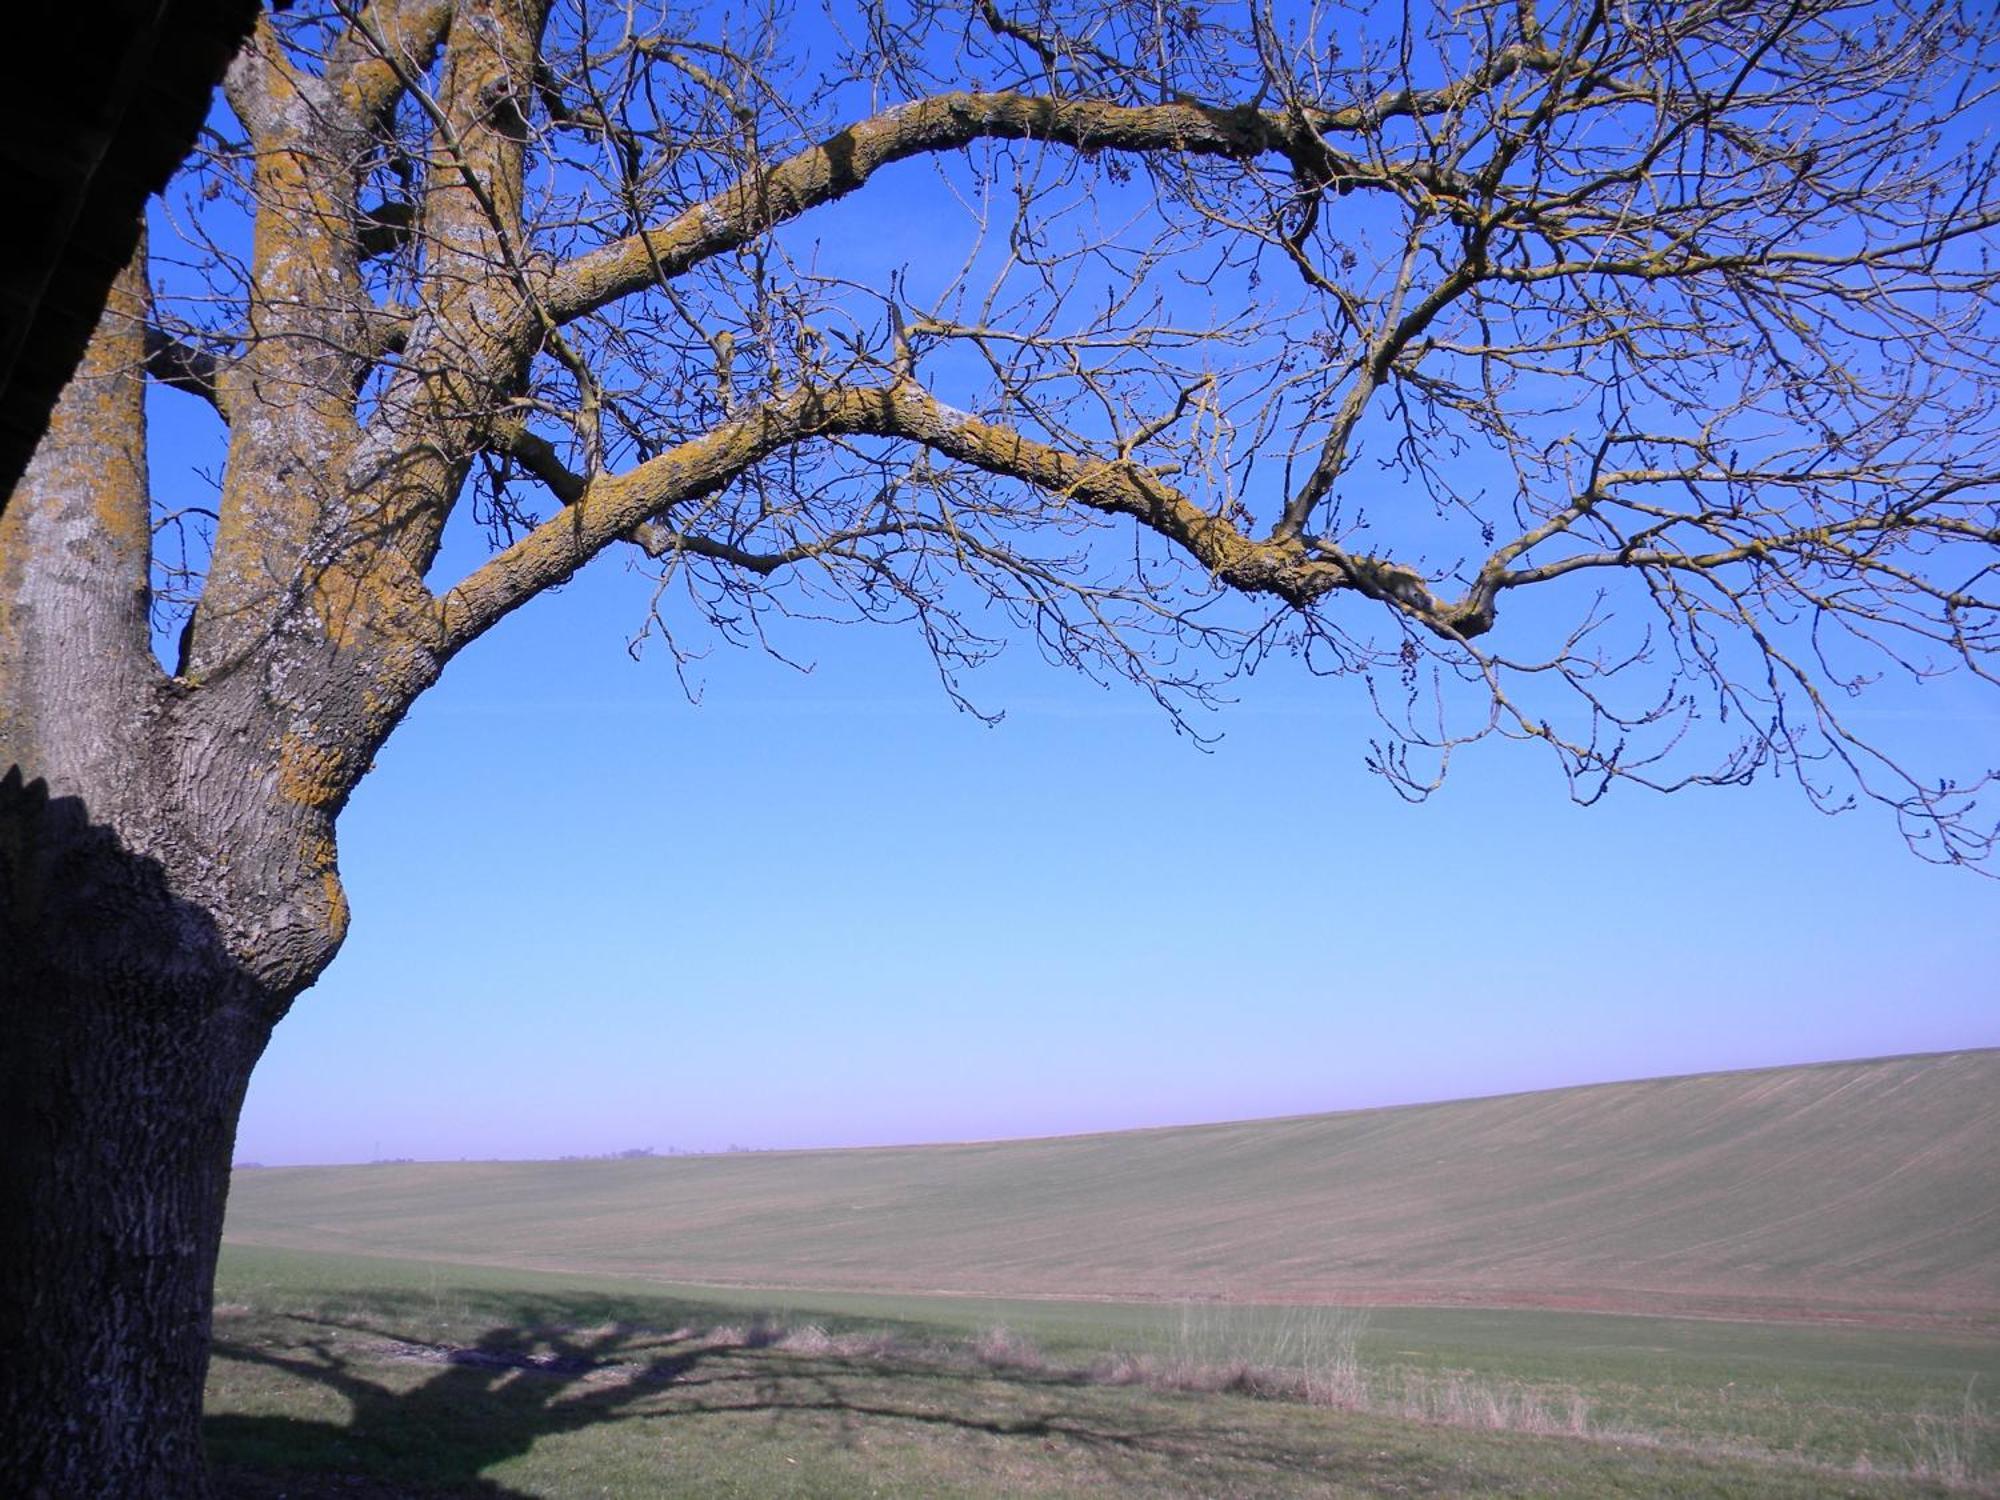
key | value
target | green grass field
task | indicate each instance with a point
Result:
(341, 1375)
(1776, 1283)
(1869, 1188)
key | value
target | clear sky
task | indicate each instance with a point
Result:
(827, 909)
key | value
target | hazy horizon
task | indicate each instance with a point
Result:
(680, 1149)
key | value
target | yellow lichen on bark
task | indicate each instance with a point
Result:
(117, 358)
(336, 903)
(358, 599)
(94, 453)
(314, 778)
(75, 550)
(309, 775)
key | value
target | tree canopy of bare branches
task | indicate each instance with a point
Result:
(1618, 377)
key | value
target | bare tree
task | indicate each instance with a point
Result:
(1617, 377)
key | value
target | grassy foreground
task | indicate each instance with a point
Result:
(349, 1376)
(1847, 1189)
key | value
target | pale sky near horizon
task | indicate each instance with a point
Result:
(827, 909)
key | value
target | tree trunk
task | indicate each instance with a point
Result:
(167, 886)
(129, 1041)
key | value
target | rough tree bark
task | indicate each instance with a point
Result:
(122, 1082)
(165, 890)
(168, 882)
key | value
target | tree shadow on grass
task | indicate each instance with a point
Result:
(372, 1393)
(433, 1419)
(486, 1403)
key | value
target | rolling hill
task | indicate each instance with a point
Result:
(1865, 1189)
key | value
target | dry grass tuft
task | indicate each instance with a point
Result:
(1946, 1448)
(1458, 1401)
(815, 1341)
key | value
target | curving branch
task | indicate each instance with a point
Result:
(624, 506)
(950, 122)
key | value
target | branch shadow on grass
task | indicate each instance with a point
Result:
(435, 1418)
(485, 1403)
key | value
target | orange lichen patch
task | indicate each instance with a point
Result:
(121, 522)
(363, 595)
(336, 903)
(344, 600)
(310, 775)
(318, 854)
(316, 850)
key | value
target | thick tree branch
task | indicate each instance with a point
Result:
(307, 323)
(538, 456)
(620, 507)
(74, 551)
(483, 320)
(370, 67)
(844, 161)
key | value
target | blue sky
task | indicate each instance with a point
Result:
(826, 909)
